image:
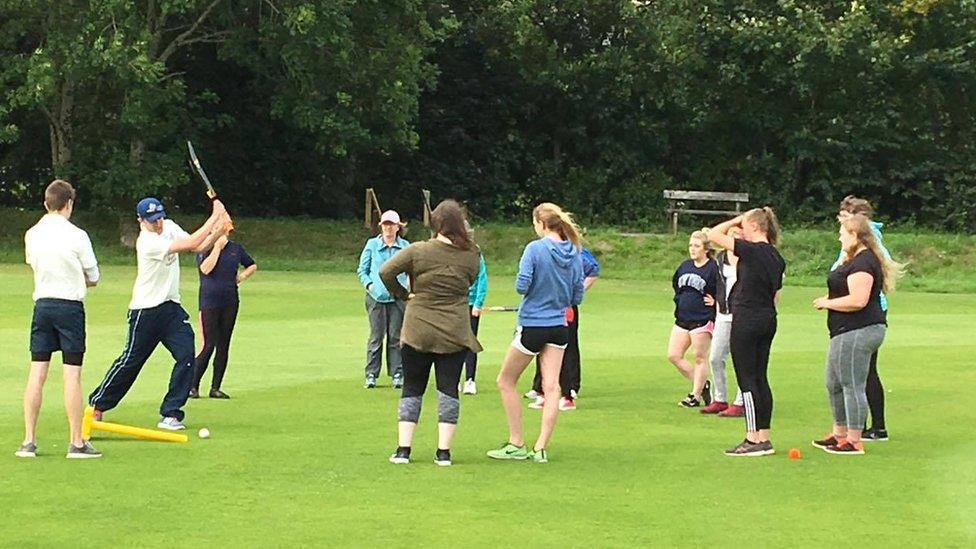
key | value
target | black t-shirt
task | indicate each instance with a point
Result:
(759, 275)
(690, 284)
(219, 288)
(871, 314)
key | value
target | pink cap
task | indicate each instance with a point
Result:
(390, 216)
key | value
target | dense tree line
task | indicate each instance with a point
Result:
(297, 106)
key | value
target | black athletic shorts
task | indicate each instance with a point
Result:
(691, 325)
(58, 325)
(530, 340)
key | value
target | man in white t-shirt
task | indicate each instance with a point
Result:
(155, 313)
(64, 266)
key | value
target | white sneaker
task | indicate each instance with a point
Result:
(170, 424)
(538, 403)
(470, 388)
(532, 395)
(566, 404)
(573, 394)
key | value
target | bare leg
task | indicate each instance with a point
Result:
(405, 431)
(33, 394)
(512, 368)
(677, 345)
(550, 362)
(445, 434)
(700, 343)
(72, 402)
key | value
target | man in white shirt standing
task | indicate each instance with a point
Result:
(64, 267)
(155, 314)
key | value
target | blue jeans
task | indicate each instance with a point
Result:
(167, 324)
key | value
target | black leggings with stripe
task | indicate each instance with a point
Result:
(751, 340)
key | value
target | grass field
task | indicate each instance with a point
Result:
(298, 456)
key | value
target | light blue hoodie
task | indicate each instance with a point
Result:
(876, 229)
(478, 291)
(550, 280)
(375, 254)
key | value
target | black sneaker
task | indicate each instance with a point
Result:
(398, 382)
(874, 435)
(690, 402)
(443, 458)
(85, 451)
(217, 393)
(707, 393)
(27, 450)
(829, 440)
(751, 449)
(402, 455)
(194, 393)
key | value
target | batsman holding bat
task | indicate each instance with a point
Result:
(155, 314)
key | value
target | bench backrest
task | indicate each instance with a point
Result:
(706, 195)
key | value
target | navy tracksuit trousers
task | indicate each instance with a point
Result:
(168, 324)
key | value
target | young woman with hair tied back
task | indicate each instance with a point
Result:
(857, 324)
(550, 279)
(760, 278)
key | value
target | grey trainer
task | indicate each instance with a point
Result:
(27, 450)
(85, 451)
(751, 449)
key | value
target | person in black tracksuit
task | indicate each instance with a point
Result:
(219, 303)
(760, 278)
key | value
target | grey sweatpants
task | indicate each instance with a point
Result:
(385, 321)
(719, 352)
(848, 361)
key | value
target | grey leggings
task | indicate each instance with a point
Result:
(719, 352)
(848, 361)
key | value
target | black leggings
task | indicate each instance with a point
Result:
(875, 393)
(569, 375)
(471, 361)
(218, 327)
(416, 373)
(751, 340)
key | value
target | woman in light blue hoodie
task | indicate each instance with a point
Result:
(550, 280)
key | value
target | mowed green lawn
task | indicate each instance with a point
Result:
(299, 455)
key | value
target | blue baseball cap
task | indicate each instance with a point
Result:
(150, 209)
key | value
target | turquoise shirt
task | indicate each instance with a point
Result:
(478, 291)
(374, 255)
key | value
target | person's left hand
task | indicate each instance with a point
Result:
(476, 311)
(821, 303)
(709, 301)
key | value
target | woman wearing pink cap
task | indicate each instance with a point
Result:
(384, 310)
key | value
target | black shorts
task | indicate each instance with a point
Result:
(691, 325)
(530, 340)
(58, 325)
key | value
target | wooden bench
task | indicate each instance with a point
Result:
(677, 203)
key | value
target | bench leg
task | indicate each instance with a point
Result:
(674, 223)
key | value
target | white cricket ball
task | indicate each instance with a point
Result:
(204, 433)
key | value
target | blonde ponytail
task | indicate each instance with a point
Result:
(559, 221)
(860, 226)
(765, 219)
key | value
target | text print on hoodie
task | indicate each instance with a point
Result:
(550, 280)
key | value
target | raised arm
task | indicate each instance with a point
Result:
(208, 264)
(203, 238)
(719, 234)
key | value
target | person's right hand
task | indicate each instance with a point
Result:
(475, 311)
(218, 208)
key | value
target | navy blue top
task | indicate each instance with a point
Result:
(219, 288)
(591, 267)
(690, 284)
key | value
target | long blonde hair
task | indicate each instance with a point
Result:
(765, 219)
(558, 221)
(860, 226)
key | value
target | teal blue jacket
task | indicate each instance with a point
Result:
(374, 255)
(478, 291)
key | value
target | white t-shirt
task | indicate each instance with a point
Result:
(59, 253)
(158, 279)
(730, 274)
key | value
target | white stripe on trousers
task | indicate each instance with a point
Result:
(117, 367)
(750, 411)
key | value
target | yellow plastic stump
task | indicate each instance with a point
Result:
(89, 424)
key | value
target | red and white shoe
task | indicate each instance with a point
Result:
(733, 411)
(715, 407)
(538, 403)
(567, 404)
